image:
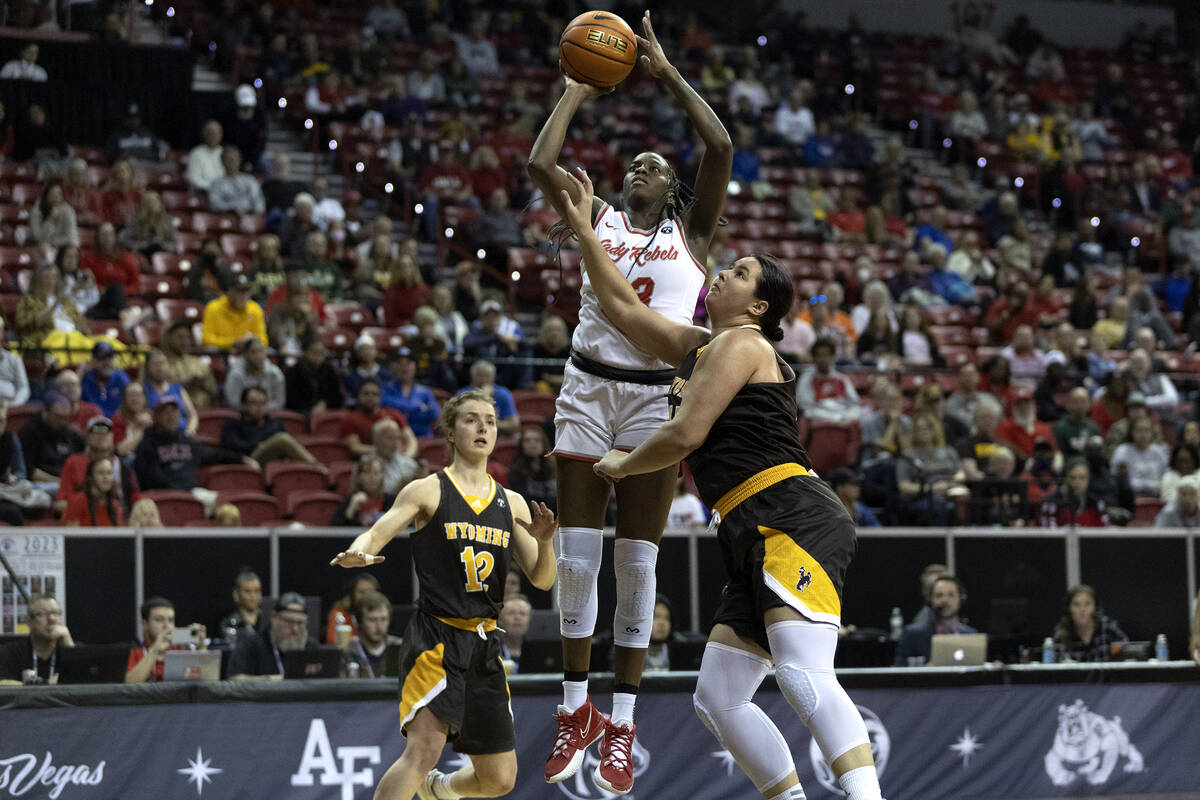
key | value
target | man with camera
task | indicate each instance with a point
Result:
(38, 653)
(159, 635)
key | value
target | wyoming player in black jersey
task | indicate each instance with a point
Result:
(452, 684)
(785, 537)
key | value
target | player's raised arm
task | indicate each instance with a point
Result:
(417, 500)
(716, 164)
(543, 166)
(667, 340)
(533, 540)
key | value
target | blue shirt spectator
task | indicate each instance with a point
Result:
(103, 384)
(173, 390)
(820, 149)
(417, 403)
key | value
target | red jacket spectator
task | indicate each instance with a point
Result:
(445, 180)
(109, 264)
(117, 205)
(400, 303)
(315, 301)
(1105, 412)
(77, 512)
(1060, 510)
(360, 424)
(1003, 327)
(1023, 439)
(74, 470)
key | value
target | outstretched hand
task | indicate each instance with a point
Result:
(355, 558)
(653, 58)
(543, 525)
(579, 207)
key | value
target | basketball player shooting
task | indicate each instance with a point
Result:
(613, 398)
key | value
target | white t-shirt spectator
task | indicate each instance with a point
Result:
(686, 510)
(1146, 467)
(478, 57)
(204, 166)
(21, 70)
(1028, 367)
(794, 125)
(751, 89)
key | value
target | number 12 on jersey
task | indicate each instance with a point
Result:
(478, 566)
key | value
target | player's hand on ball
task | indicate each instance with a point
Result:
(653, 58)
(612, 466)
(543, 525)
(354, 558)
(586, 89)
(579, 207)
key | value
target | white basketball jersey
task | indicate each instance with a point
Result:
(665, 275)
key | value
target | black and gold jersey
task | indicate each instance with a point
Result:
(757, 431)
(462, 555)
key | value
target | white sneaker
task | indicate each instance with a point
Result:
(428, 790)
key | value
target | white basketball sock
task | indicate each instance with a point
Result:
(861, 783)
(794, 793)
(575, 694)
(622, 710)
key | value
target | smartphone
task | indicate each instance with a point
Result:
(182, 636)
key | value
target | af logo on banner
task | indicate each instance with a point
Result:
(317, 758)
(881, 748)
(1086, 745)
(583, 786)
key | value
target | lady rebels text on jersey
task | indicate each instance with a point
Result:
(664, 273)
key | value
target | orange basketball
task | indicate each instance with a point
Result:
(599, 48)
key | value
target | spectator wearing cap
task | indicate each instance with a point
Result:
(14, 381)
(190, 371)
(230, 318)
(48, 440)
(483, 376)
(168, 458)
(405, 394)
(357, 426)
(1184, 510)
(1022, 429)
(104, 384)
(261, 655)
(364, 363)
(133, 140)
(204, 160)
(494, 336)
(235, 190)
(246, 129)
(313, 382)
(68, 384)
(261, 437)
(847, 485)
(1140, 459)
(253, 368)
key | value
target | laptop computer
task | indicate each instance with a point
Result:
(192, 665)
(95, 663)
(1131, 651)
(958, 650)
(324, 661)
(540, 656)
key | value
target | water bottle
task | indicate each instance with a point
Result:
(352, 669)
(897, 622)
(1047, 650)
(1160, 648)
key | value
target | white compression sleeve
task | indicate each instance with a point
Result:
(578, 567)
(634, 561)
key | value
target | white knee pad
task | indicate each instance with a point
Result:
(728, 680)
(578, 566)
(634, 561)
(803, 653)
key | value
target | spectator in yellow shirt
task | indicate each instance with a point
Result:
(228, 319)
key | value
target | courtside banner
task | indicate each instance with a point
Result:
(1020, 741)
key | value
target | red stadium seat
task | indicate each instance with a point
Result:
(235, 244)
(326, 449)
(285, 477)
(232, 478)
(148, 333)
(314, 509)
(505, 451)
(386, 339)
(1147, 508)
(350, 315)
(256, 507)
(159, 286)
(533, 405)
(213, 419)
(176, 508)
(294, 422)
(433, 450)
(213, 224)
(338, 340)
(340, 475)
(171, 309)
(19, 415)
(831, 445)
(326, 423)
(170, 264)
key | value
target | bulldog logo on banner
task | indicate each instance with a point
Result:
(1088, 745)
(881, 748)
(583, 787)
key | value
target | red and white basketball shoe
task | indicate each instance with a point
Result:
(576, 732)
(615, 771)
